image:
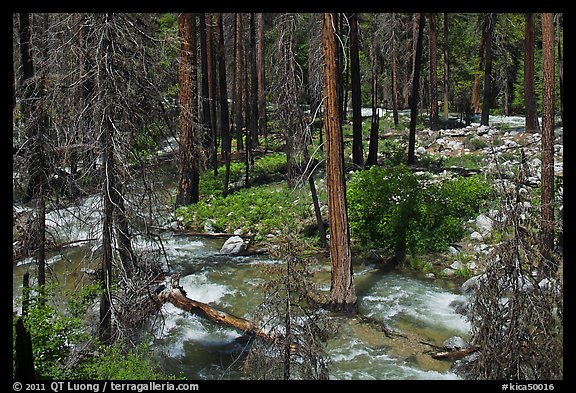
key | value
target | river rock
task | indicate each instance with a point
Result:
(455, 343)
(472, 284)
(484, 224)
(233, 246)
(476, 236)
(420, 150)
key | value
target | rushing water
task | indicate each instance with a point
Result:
(199, 349)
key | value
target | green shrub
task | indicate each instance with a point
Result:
(393, 208)
(56, 325)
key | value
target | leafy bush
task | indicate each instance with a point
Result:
(393, 208)
(57, 326)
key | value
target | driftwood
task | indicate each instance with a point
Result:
(177, 296)
(454, 355)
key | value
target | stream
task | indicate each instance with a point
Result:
(199, 349)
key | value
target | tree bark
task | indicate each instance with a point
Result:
(415, 85)
(262, 120)
(357, 153)
(212, 96)
(223, 94)
(529, 91)
(560, 67)
(239, 82)
(487, 97)
(342, 292)
(394, 81)
(547, 175)
(188, 175)
(177, 296)
(433, 75)
(446, 67)
(373, 147)
(475, 100)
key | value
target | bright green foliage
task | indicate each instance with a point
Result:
(52, 332)
(259, 209)
(118, 363)
(265, 168)
(392, 208)
(56, 327)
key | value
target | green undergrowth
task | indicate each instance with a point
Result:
(260, 210)
(269, 167)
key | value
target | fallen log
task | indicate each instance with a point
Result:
(454, 355)
(177, 296)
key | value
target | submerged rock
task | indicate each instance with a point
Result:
(455, 343)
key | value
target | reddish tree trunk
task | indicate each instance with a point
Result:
(342, 292)
(188, 176)
(547, 176)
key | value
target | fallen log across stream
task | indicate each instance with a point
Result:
(177, 296)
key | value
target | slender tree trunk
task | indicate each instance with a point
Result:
(357, 150)
(560, 67)
(188, 175)
(394, 81)
(239, 82)
(253, 84)
(262, 120)
(446, 67)
(487, 100)
(223, 94)
(342, 292)
(415, 85)
(373, 147)
(205, 119)
(29, 115)
(212, 97)
(475, 100)
(105, 328)
(433, 75)
(547, 176)
(531, 111)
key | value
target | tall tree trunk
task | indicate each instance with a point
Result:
(105, 327)
(29, 115)
(373, 147)
(475, 100)
(205, 119)
(212, 96)
(357, 151)
(253, 84)
(560, 67)
(531, 111)
(415, 86)
(188, 175)
(262, 120)
(239, 82)
(446, 67)
(487, 100)
(394, 81)
(223, 94)
(547, 176)
(433, 75)
(342, 292)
